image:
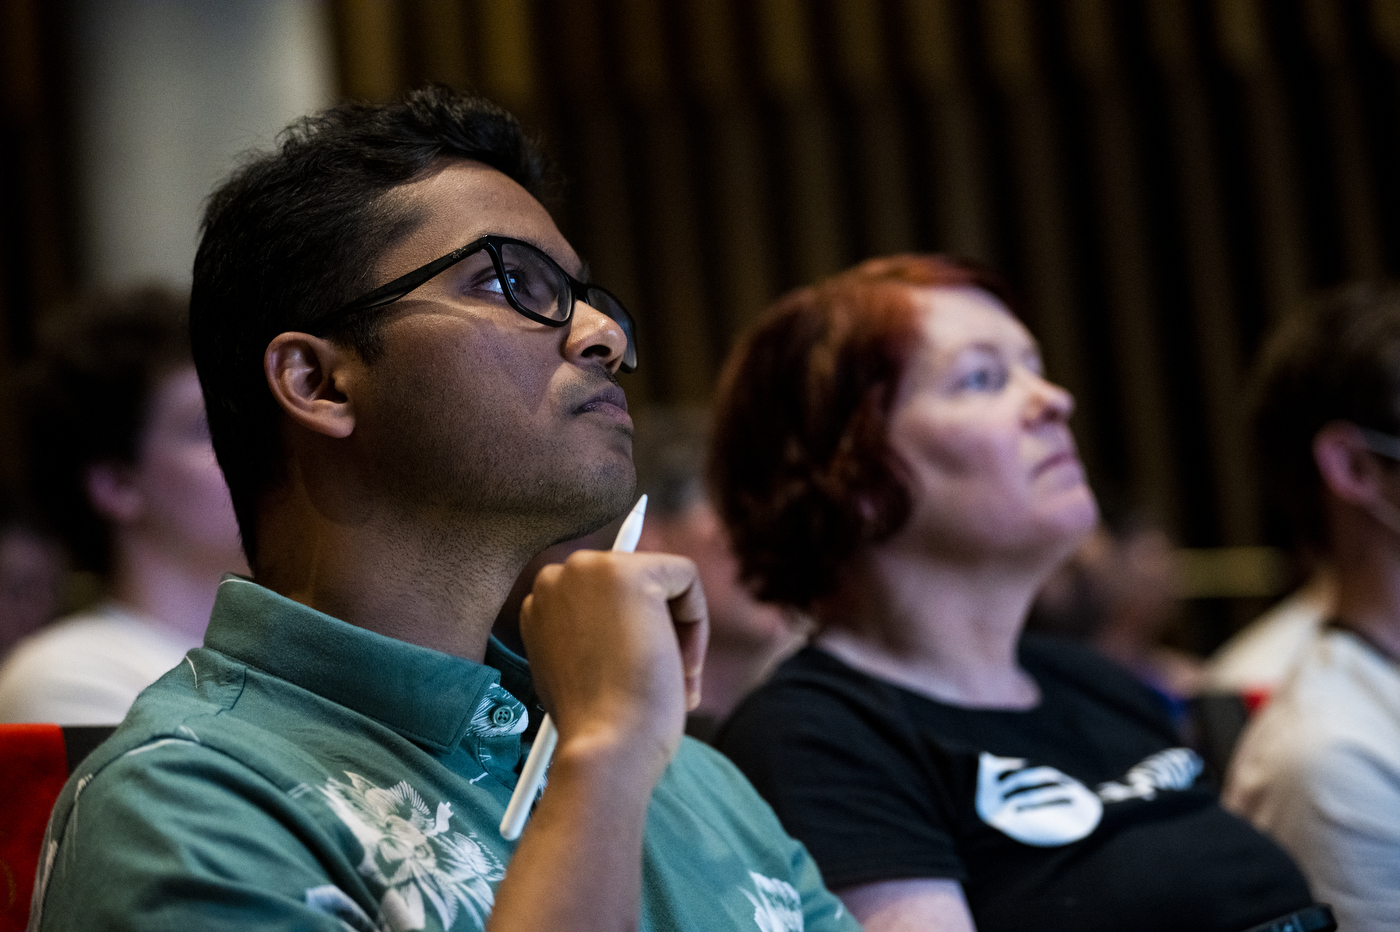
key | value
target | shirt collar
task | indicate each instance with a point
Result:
(425, 695)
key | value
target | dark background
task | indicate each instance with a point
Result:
(1161, 180)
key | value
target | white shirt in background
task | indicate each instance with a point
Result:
(1319, 770)
(1261, 656)
(86, 669)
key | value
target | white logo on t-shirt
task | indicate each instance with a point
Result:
(1035, 805)
(1172, 769)
(1043, 807)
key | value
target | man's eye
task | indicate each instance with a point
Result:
(487, 282)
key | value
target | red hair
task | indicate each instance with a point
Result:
(800, 468)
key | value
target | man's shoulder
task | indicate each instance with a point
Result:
(1341, 701)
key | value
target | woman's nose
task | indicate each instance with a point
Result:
(1049, 401)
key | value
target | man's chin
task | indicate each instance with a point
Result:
(599, 505)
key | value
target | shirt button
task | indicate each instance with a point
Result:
(503, 716)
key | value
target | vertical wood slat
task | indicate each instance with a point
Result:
(37, 223)
(738, 222)
(810, 183)
(1356, 200)
(1123, 242)
(879, 173)
(507, 43)
(443, 38)
(369, 41)
(1208, 258)
(668, 220)
(1245, 47)
(957, 153)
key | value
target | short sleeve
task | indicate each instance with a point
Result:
(821, 910)
(843, 776)
(1337, 811)
(226, 852)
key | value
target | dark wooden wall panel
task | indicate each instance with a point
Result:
(36, 194)
(1161, 179)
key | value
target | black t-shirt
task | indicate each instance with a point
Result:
(1079, 814)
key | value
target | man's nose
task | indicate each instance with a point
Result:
(595, 335)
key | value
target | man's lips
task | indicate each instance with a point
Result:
(611, 401)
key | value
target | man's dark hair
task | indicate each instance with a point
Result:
(1335, 360)
(296, 233)
(87, 395)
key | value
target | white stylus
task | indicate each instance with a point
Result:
(532, 774)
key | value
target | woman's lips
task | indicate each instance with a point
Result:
(1056, 460)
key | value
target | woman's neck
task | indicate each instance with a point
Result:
(948, 632)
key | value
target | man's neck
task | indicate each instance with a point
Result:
(1368, 595)
(1364, 555)
(418, 581)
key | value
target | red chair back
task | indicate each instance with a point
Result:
(33, 769)
(35, 761)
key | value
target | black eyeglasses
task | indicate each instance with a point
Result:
(530, 281)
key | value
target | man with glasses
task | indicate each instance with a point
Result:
(412, 390)
(1319, 769)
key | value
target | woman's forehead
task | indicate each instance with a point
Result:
(953, 318)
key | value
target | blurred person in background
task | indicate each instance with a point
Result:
(747, 638)
(1118, 595)
(889, 456)
(32, 568)
(124, 468)
(1258, 658)
(1319, 767)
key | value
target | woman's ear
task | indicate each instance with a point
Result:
(308, 377)
(1348, 468)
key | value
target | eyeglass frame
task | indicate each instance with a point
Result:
(401, 287)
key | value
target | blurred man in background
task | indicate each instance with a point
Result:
(124, 468)
(1319, 768)
(747, 638)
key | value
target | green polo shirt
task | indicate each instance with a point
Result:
(300, 772)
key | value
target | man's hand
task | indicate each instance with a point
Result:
(616, 644)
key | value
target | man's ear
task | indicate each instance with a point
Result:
(308, 377)
(1348, 468)
(112, 492)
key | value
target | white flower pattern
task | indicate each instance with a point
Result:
(412, 853)
(778, 906)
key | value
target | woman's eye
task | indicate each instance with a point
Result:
(982, 379)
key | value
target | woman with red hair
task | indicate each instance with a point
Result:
(891, 460)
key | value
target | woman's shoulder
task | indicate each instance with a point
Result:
(816, 679)
(809, 695)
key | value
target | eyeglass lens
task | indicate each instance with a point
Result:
(535, 282)
(541, 287)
